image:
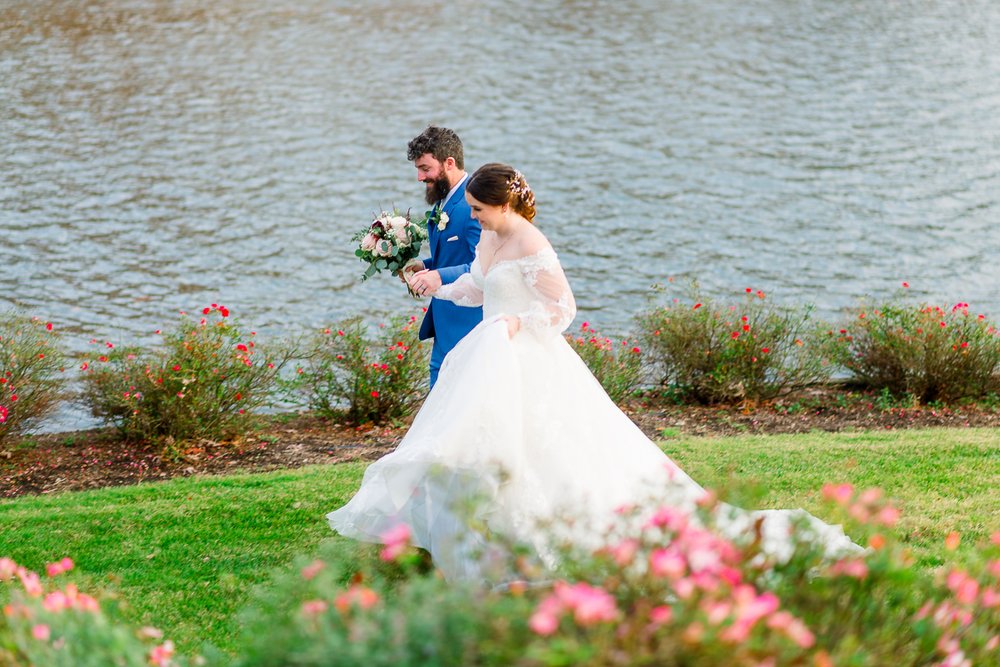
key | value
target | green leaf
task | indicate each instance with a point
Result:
(380, 264)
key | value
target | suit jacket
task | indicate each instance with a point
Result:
(452, 252)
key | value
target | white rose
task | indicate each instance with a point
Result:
(442, 221)
(368, 242)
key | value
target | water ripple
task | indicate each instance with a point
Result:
(161, 156)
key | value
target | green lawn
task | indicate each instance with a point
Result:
(185, 553)
(943, 479)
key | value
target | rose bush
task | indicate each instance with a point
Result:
(749, 350)
(618, 367)
(205, 381)
(929, 352)
(31, 372)
(349, 373)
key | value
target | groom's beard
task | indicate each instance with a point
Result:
(437, 189)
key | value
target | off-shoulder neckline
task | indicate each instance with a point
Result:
(544, 250)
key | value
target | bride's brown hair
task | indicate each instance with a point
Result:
(497, 184)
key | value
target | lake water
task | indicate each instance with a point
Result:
(160, 156)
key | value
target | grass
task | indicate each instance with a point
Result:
(185, 553)
(944, 480)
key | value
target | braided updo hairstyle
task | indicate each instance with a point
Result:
(497, 184)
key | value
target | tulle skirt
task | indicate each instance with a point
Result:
(518, 439)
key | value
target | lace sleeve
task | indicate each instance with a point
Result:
(463, 291)
(554, 308)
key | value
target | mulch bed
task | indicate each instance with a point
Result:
(78, 460)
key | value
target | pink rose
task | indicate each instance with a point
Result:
(383, 248)
(368, 242)
(402, 234)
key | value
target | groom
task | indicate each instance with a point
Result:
(453, 235)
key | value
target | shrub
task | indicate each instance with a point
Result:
(322, 613)
(715, 352)
(664, 591)
(618, 368)
(49, 626)
(31, 363)
(349, 373)
(204, 382)
(929, 352)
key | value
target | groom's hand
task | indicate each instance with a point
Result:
(426, 282)
(411, 267)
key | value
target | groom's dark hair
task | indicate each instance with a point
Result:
(440, 142)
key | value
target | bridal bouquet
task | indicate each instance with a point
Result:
(391, 241)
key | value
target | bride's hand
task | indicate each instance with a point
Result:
(426, 282)
(513, 325)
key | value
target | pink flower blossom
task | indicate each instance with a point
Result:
(704, 558)
(161, 655)
(668, 517)
(55, 602)
(357, 595)
(888, 515)
(543, 623)
(31, 583)
(839, 493)
(41, 632)
(396, 541)
(311, 570)
(86, 603)
(57, 568)
(590, 604)
(859, 513)
(8, 568)
(661, 615)
(800, 634)
(991, 598)
(850, 567)
(667, 563)
(313, 607)
(624, 552)
(965, 588)
(748, 609)
(684, 588)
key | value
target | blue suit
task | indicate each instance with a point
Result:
(452, 252)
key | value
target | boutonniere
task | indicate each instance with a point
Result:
(442, 220)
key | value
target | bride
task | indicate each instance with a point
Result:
(517, 427)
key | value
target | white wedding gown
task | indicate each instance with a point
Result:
(521, 430)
